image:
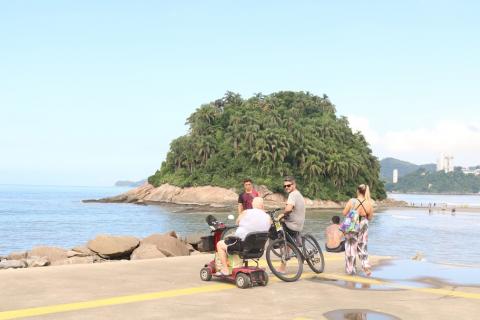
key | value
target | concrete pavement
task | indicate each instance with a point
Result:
(170, 288)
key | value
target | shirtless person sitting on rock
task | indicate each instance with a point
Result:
(335, 241)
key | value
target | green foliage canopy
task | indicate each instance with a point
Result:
(268, 137)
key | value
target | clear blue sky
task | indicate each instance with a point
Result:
(94, 91)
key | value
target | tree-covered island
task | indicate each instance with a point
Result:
(267, 137)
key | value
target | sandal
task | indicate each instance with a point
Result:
(221, 274)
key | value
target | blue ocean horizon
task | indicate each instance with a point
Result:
(56, 216)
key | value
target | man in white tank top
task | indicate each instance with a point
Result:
(250, 220)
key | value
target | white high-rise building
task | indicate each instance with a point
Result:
(395, 176)
(445, 163)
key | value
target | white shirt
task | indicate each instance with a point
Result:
(253, 220)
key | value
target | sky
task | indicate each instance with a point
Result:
(92, 92)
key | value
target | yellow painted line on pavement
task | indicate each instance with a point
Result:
(37, 311)
(30, 312)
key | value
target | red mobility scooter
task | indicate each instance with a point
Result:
(252, 248)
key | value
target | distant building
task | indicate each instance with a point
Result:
(445, 163)
(395, 176)
(473, 171)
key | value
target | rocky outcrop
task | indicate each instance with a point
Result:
(205, 195)
(218, 197)
(131, 196)
(113, 247)
(389, 203)
(317, 204)
(164, 193)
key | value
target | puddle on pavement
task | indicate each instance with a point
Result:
(426, 274)
(417, 274)
(351, 284)
(358, 314)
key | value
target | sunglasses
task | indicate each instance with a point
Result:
(287, 185)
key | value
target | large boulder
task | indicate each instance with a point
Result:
(80, 251)
(51, 253)
(194, 238)
(163, 193)
(75, 260)
(12, 264)
(37, 261)
(146, 251)
(130, 196)
(206, 195)
(113, 247)
(274, 200)
(168, 245)
(172, 233)
(263, 191)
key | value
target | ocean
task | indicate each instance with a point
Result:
(55, 216)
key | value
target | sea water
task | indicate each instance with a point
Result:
(55, 216)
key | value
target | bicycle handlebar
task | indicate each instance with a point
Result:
(272, 214)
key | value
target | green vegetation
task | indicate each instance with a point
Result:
(268, 137)
(437, 182)
(387, 166)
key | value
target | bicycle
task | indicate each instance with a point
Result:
(284, 250)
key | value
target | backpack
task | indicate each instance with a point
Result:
(351, 223)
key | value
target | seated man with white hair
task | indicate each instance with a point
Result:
(250, 220)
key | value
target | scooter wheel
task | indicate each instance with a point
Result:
(264, 282)
(243, 281)
(205, 274)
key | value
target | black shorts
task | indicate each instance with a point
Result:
(294, 234)
(340, 248)
(234, 245)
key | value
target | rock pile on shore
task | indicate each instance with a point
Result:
(106, 248)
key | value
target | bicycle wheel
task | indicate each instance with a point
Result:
(276, 249)
(290, 258)
(313, 253)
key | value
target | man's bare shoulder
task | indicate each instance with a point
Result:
(332, 228)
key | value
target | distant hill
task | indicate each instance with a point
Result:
(127, 183)
(437, 182)
(404, 168)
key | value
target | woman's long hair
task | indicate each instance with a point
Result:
(364, 190)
